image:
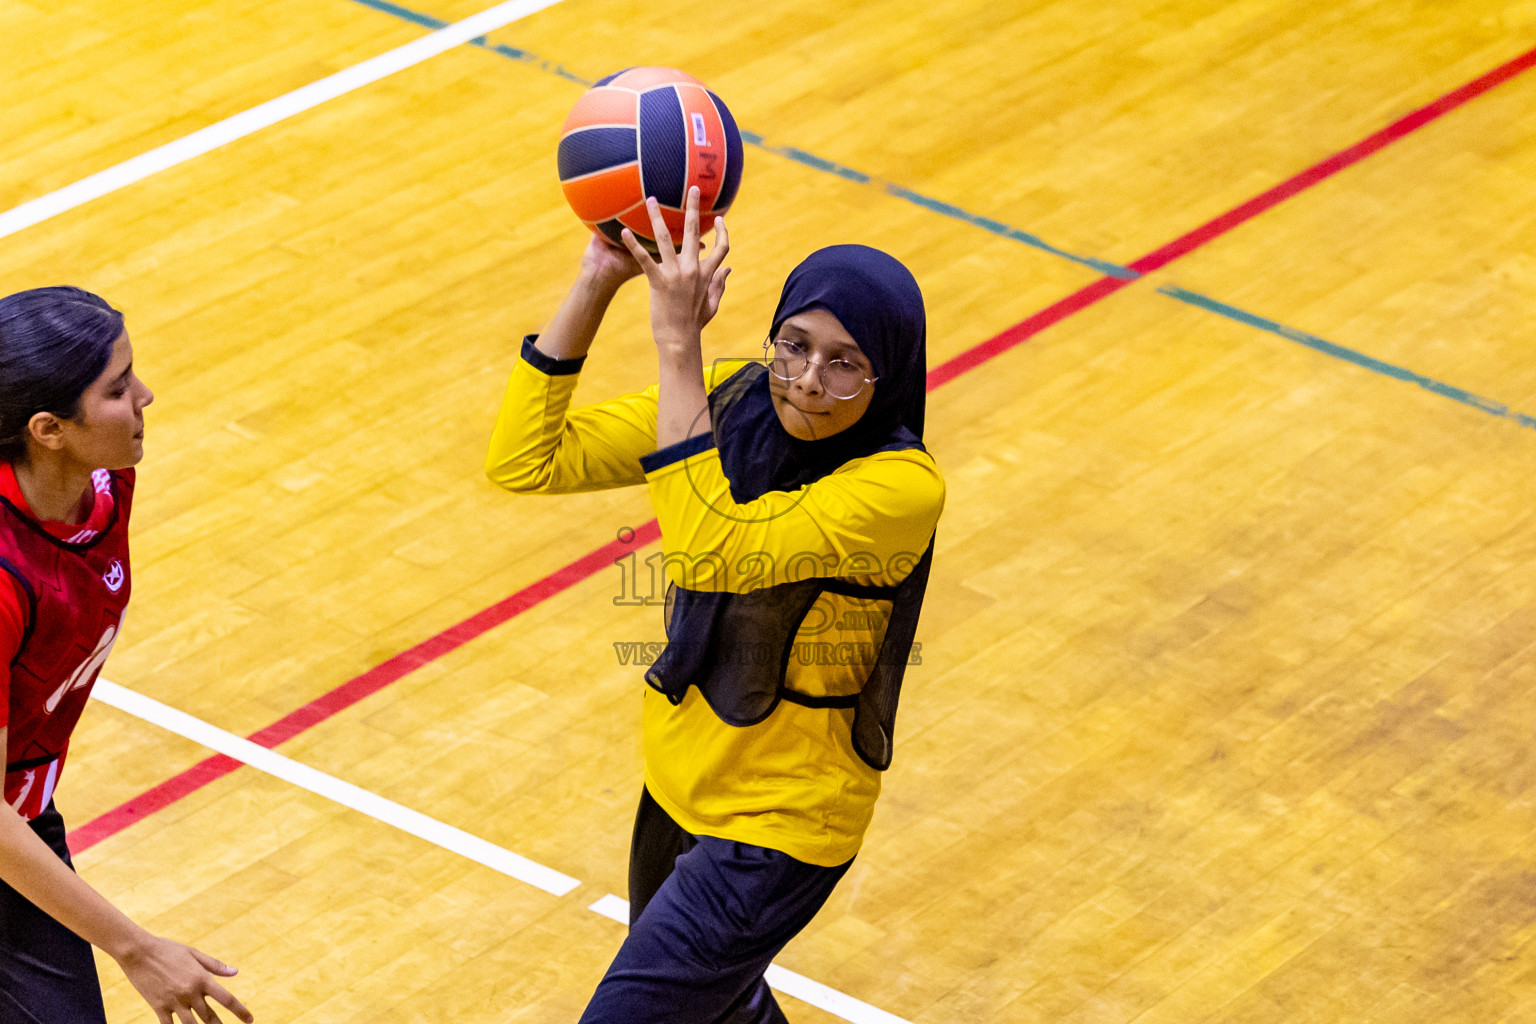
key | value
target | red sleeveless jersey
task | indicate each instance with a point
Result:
(71, 586)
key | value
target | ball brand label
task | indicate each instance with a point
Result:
(85, 674)
(700, 137)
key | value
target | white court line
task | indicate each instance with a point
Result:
(238, 126)
(439, 834)
(332, 788)
(788, 982)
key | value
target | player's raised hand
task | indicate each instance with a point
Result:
(686, 283)
(177, 981)
(606, 265)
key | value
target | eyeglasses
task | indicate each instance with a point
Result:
(789, 361)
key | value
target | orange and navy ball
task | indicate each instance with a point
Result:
(648, 132)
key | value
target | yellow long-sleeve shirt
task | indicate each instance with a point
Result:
(792, 782)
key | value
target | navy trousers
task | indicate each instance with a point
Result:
(706, 918)
(47, 972)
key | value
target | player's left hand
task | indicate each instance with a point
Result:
(177, 981)
(686, 283)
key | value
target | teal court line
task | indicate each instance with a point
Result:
(1002, 230)
(793, 153)
(1349, 355)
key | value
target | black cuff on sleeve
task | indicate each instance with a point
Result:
(677, 452)
(547, 364)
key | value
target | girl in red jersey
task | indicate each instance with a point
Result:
(71, 429)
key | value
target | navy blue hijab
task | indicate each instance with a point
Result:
(877, 301)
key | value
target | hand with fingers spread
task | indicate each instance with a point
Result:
(177, 981)
(686, 284)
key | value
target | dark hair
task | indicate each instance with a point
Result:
(54, 342)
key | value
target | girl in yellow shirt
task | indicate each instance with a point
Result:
(797, 508)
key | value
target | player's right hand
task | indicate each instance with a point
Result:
(687, 282)
(607, 265)
(177, 981)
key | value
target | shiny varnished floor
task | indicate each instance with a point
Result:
(1226, 683)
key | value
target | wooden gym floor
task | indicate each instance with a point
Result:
(1227, 689)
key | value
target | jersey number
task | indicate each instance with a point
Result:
(86, 673)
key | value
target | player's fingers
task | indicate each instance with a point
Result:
(607, 242)
(722, 246)
(235, 1006)
(637, 250)
(164, 1015)
(213, 964)
(668, 251)
(204, 1011)
(184, 1015)
(717, 289)
(690, 249)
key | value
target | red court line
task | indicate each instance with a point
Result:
(1218, 226)
(375, 679)
(370, 682)
(1333, 165)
